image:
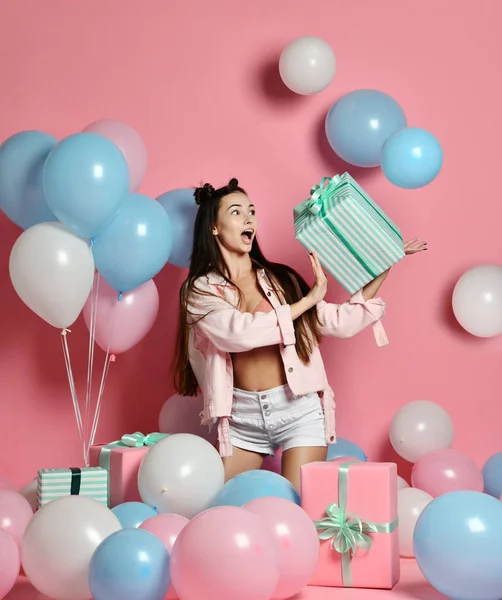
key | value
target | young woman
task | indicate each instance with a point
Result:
(249, 336)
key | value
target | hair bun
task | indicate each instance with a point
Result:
(204, 193)
(233, 184)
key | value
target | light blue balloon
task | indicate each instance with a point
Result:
(133, 514)
(412, 158)
(22, 159)
(458, 545)
(128, 565)
(85, 180)
(359, 124)
(492, 475)
(181, 209)
(136, 246)
(255, 484)
(345, 448)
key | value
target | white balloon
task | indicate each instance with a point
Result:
(410, 504)
(52, 271)
(307, 65)
(420, 427)
(477, 300)
(181, 474)
(402, 483)
(59, 542)
(29, 491)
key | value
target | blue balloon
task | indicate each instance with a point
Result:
(86, 178)
(133, 514)
(136, 246)
(181, 209)
(458, 545)
(22, 159)
(345, 448)
(411, 158)
(359, 124)
(255, 484)
(492, 475)
(130, 564)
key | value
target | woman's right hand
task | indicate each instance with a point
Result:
(320, 287)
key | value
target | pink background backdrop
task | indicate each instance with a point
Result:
(198, 80)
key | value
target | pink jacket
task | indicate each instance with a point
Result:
(220, 328)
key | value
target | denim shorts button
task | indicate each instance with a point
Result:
(263, 396)
(290, 370)
(267, 413)
(265, 406)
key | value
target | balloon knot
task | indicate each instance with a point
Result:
(93, 241)
(120, 297)
(65, 331)
(112, 357)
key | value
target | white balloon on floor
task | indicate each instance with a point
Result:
(410, 504)
(477, 300)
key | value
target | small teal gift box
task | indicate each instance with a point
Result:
(352, 236)
(56, 483)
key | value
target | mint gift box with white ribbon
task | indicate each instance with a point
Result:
(354, 238)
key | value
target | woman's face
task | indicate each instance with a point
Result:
(236, 223)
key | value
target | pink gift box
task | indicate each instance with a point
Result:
(369, 492)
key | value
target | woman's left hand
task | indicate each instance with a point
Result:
(414, 246)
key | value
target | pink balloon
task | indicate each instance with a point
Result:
(15, 514)
(10, 563)
(443, 471)
(225, 552)
(296, 539)
(166, 527)
(6, 483)
(273, 463)
(127, 320)
(130, 144)
(181, 414)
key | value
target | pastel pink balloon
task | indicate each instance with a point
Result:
(181, 414)
(273, 463)
(296, 542)
(130, 144)
(166, 527)
(10, 563)
(6, 483)
(122, 323)
(225, 552)
(15, 514)
(443, 471)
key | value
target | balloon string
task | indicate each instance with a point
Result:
(73, 392)
(90, 356)
(109, 358)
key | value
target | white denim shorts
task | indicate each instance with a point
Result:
(264, 421)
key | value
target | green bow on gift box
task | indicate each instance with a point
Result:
(318, 196)
(137, 439)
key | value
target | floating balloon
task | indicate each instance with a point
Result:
(250, 485)
(128, 565)
(307, 65)
(411, 158)
(129, 143)
(345, 448)
(420, 427)
(121, 324)
(15, 514)
(359, 124)
(492, 475)
(458, 545)
(181, 209)
(133, 514)
(167, 528)
(85, 182)
(136, 246)
(181, 474)
(52, 272)
(477, 300)
(181, 414)
(296, 542)
(22, 159)
(59, 542)
(410, 504)
(234, 552)
(10, 564)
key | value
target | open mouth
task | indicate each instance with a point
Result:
(247, 236)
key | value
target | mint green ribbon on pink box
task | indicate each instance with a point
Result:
(354, 238)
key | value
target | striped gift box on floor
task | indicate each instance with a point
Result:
(354, 239)
(56, 483)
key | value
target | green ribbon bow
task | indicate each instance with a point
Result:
(347, 531)
(318, 196)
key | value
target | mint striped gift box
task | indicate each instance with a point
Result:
(56, 483)
(354, 239)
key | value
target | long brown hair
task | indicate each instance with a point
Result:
(207, 257)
